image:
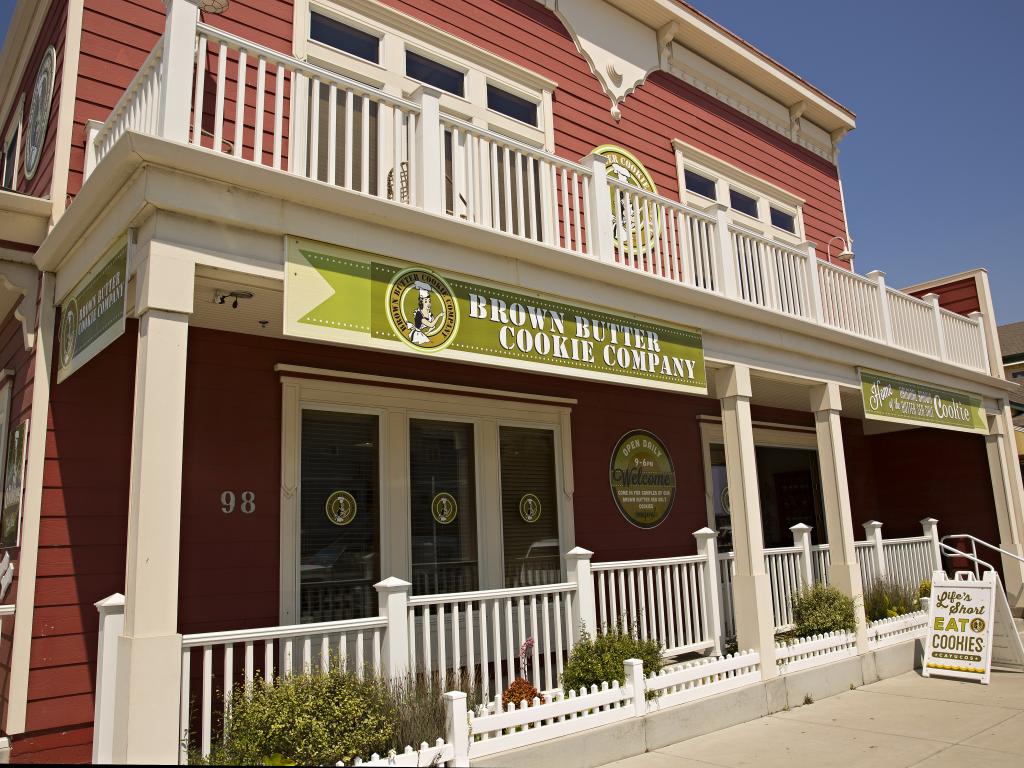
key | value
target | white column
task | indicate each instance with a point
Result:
(111, 610)
(1006, 493)
(752, 591)
(393, 599)
(577, 565)
(814, 284)
(802, 539)
(873, 533)
(725, 258)
(177, 68)
(843, 570)
(601, 230)
(149, 653)
(428, 175)
(940, 332)
(707, 545)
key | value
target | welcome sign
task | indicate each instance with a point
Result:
(888, 398)
(353, 297)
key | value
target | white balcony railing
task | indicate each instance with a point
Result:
(262, 107)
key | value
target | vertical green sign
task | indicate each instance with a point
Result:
(14, 485)
(93, 314)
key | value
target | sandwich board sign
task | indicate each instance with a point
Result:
(970, 629)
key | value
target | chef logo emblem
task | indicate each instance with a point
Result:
(341, 508)
(444, 508)
(68, 332)
(530, 507)
(422, 309)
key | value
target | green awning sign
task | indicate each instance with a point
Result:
(93, 314)
(357, 298)
(887, 398)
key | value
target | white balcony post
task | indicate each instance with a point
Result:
(456, 718)
(873, 533)
(577, 564)
(752, 590)
(883, 304)
(940, 334)
(633, 675)
(1008, 495)
(814, 284)
(802, 539)
(979, 318)
(179, 43)
(930, 526)
(111, 610)
(601, 229)
(393, 602)
(725, 257)
(707, 545)
(428, 177)
(843, 570)
(92, 129)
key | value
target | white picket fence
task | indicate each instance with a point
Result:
(898, 629)
(806, 652)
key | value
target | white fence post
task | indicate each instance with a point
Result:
(178, 61)
(931, 530)
(873, 533)
(707, 545)
(577, 563)
(940, 333)
(725, 258)
(111, 610)
(883, 304)
(802, 539)
(979, 318)
(601, 229)
(813, 285)
(634, 676)
(428, 178)
(92, 129)
(393, 599)
(457, 734)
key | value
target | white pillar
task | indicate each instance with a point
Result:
(1006, 493)
(149, 653)
(393, 598)
(930, 526)
(428, 174)
(802, 539)
(843, 570)
(601, 230)
(873, 533)
(177, 68)
(707, 545)
(725, 257)
(577, 564)
(111, 610)
(817, 309)
(752, 591)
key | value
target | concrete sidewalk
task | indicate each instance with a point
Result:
(903, 721)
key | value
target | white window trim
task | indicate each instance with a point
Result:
(397, 32)
(394, 407)
(14, 133)
(726, 175)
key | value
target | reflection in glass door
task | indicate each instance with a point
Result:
(442, 491)
(529, 507)
(339, 530)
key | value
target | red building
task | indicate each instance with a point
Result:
(437, 291)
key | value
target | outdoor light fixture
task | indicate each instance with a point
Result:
(221, 297)
(844, 255)
(213, 6)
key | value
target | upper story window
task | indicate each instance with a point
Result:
(752, 202)
(345, 38)
(11, 151)
(434, 73)
(509, 104)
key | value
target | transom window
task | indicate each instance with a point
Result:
(345, 38)
(433, 73)
(743, 203)
(509, 104)
(702, 185)
(783, 220)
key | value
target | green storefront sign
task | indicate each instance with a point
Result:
(642, 478)
(887, 398)
(93, 313)
(353, 297)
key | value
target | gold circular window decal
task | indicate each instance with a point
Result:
(422, 309)
(68, 332)
(530, 507)
(444, 508)
(642, 479)
(341, 508)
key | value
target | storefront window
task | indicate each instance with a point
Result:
(443, 501)
(529, 507)
(340, 516)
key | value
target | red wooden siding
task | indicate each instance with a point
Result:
(959, 296)
(52, 33)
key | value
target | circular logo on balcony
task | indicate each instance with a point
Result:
(637, 225)
(530, 507)
(341, 508)
(68, 332)
(422, 309)
(39, 112)
(444, 508)
(642, 479)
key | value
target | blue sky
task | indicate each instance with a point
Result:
(932, 173)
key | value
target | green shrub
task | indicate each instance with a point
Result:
(924, 589)
(887, 599)
(594, 660)
(822, 609)
(418, 706)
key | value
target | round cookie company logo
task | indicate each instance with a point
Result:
(341, 508)
(631, 222)
(68, 332)
(422, 309)
(530, 507)
(642, 479)
(444, 508)
(978, 625)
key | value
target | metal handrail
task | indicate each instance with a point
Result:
(973, 555)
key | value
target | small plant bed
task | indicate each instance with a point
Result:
(886, 599)
(600, 659)
(821, 610)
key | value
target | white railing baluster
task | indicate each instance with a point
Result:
(240, 89)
